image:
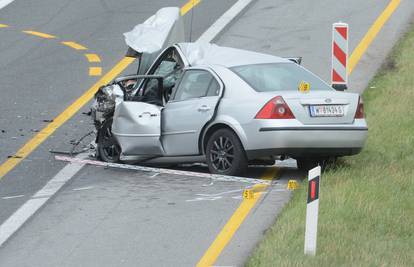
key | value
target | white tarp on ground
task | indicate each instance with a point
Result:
(151, 36)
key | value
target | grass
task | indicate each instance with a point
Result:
(366, 209)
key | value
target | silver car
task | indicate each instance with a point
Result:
(227, 107)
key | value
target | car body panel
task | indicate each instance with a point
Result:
(182, 123)
(137, 128)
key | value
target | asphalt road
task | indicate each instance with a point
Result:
(111, 217)
(304, 28)
(41, 77)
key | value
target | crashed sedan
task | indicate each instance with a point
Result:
(199, 102)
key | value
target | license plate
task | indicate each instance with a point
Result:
(326, 111)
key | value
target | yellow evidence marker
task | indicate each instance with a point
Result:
(248, 194)
(292, 185)
(304, 87)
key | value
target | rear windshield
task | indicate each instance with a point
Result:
(279, 77)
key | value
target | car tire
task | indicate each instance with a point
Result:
(225, 154)
(108, 148)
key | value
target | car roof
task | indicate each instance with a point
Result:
(204, 54)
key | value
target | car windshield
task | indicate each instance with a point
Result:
(279, 77)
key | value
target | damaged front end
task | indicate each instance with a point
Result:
(145, 42)
(103, 106)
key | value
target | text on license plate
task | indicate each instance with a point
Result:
(326, 111)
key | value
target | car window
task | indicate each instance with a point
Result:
(169, 67)
(166, 66)
(279, 77)
(196, 83)
(214, 88)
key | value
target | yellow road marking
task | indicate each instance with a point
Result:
(3, 26)
(40, 34)
(26, 149)
(95, 71)
(33, 143)
(188, 6)
(225, 235)
(92, 58)
(371, 34)
(75, 45)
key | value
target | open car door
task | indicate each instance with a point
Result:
(148, 39)
(137, 121)
(137, 128)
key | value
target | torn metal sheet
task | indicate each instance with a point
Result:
(215, 177)
(161, 30)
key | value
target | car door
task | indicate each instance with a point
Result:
(137, 122)
(192, 105)
(137, 128)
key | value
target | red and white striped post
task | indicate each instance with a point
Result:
(340, 56)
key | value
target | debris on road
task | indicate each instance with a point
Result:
(75, 143)
(14, 157)
(222, 178)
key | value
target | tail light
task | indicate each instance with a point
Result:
(359, 114)
(276, 108)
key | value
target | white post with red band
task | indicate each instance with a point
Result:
(339, 73)
(312, 208)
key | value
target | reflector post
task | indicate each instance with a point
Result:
(339, 72)
(312, 208)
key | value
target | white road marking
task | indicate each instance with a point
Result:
(219, 194)
(221, 23)
(11, 197)
(14, 222)
(4, 3)
(82, 188)
(204, 199)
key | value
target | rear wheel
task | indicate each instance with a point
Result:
(108, 148)
(225, 153)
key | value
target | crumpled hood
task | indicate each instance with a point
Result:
(151, 36)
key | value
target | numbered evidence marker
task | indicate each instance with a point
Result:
(248, 194)
(304, 87)
(293, 185)
(312, 211)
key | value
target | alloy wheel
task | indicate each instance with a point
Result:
(222, 153)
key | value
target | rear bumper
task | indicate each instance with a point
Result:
(304, 141)
(298, 152)
(305, 129)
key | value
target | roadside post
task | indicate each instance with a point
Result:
(312, 208)
(339, 72)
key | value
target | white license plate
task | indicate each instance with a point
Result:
(326, 111)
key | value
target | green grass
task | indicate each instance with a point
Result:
(366, 209)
